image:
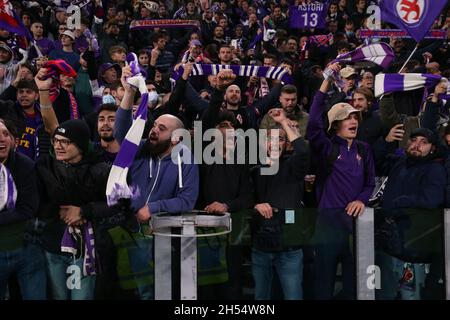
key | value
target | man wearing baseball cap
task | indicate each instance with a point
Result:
(416, 179)
(348, 75)
(345, 181)
(67, 53)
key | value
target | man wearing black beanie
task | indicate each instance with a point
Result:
(77, 133)
(73, 187)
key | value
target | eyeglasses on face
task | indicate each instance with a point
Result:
(62, 142)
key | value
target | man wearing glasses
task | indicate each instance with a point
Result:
(72, 191)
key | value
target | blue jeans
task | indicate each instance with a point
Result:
(392, 270)
(289, 267)
(57, 272)
(29, 265)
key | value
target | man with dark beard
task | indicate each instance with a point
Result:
(232, 99)
(164, 185)
(415, 180)
(164, 180)
(107, 146)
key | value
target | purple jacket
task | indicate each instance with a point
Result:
(347, 182)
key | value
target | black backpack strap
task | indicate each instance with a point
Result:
(362, 151)
(332, 157)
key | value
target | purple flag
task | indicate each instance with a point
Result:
(10, 21)
(414, 16)
(306, 16)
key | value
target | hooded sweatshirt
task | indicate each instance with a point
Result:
(10, 72)
(157, 180)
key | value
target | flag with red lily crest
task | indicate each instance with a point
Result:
(413, 16)
(10, 21)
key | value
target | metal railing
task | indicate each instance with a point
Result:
(364, 245)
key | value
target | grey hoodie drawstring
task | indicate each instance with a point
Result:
(180, 174)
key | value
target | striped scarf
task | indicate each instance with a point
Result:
(54, 69)
(117, 187)
(385, 83)
(8, 191)
(276, 73)
(379, 53)
(85, 235)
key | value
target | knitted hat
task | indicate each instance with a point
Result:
(76, 131)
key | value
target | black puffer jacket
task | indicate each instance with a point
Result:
(82, 185)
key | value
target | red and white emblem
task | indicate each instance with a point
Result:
(410, 11)
(6, 13)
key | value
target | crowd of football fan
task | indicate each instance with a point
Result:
(60, 133)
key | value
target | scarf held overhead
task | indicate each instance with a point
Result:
(117, 187)
(55, 68)
(276, 73)
(380, 54)
(385, 83)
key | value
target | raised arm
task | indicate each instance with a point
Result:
(124, 115)
(315, 132)
(299, 162)
(224, 79)
(176, 98)
(431, 113)
(48, 114)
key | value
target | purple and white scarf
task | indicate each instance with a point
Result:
(379, 53)
(393, 82)
(8, 190)
(117, 186)
(276, 73)
(85, 234)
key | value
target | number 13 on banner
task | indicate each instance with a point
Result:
(310, 19)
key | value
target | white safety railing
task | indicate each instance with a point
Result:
(162, 225)
(365, 256)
